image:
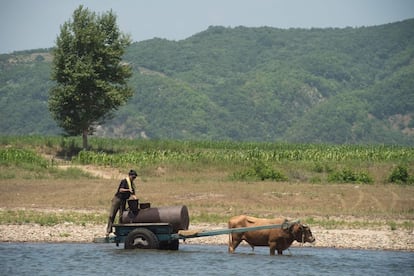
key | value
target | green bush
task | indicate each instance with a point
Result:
(318, 167)
(321, 167)
(349, 176)
(400, 175)
(260, 171)
(393, 225)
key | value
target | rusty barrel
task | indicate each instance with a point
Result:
(177, 216)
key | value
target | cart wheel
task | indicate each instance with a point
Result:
(172, 245)
(141, 238)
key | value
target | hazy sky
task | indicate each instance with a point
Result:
(31, 24)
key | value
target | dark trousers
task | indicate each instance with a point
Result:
(117, 205)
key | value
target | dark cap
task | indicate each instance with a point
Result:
(132, 172)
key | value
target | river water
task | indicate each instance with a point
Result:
(107, 259)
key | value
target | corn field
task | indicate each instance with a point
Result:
(13, 156)
(243, 154)
(124, 152)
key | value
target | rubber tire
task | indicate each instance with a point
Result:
(141, 238)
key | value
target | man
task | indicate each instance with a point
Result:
(125, 190)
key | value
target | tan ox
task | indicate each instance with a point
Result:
(276, 238)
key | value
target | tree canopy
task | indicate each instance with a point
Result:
(91, 79)
(331, 85)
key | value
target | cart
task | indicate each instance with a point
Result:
(162, 235)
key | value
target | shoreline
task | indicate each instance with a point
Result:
(363, 239)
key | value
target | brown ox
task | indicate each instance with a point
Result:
(276, 238)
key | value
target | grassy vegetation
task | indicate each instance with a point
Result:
(338, 223)
(50, 218)
(215, 180)
(342, 162)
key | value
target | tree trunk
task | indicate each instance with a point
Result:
(85, 139)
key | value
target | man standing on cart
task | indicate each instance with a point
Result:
(125, 190)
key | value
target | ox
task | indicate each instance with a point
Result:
(278, 239)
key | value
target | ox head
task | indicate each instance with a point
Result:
(302, 233)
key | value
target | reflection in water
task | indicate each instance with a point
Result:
(107, 259)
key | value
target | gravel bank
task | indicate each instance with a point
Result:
(375, 239)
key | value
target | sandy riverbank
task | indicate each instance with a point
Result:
(375, 239)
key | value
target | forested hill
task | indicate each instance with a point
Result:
(350, 85)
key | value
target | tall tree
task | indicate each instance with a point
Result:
(91, 79)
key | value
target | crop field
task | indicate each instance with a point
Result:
(215, 180)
